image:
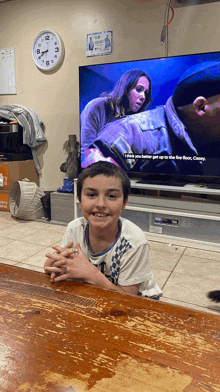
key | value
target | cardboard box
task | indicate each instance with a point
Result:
(16, 171)
(12, 172)
(4, 200)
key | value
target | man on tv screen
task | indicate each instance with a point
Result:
(183, 136)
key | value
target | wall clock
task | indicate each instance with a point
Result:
(48, 50)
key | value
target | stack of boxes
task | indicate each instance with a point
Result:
(10, 172)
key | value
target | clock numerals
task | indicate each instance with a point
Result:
(57, 49)
(47, 38)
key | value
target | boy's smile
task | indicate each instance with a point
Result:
(102, 202)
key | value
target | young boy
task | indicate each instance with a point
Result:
(109, 251)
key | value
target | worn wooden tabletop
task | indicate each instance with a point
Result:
(68, 337)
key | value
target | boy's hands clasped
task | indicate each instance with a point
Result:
(68, 263)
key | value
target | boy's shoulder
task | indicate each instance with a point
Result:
(79, 223)
(134, 232)
(75, 232)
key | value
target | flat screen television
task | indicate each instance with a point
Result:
(181, 161)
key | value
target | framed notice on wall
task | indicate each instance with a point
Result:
(99, 43)
(7, 71)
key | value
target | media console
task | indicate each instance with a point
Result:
(190, 199)
(190, 211)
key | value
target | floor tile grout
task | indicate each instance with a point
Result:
(172, 270)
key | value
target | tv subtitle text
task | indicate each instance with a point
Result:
(164, 157)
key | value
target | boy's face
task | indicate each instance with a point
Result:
(102, 201)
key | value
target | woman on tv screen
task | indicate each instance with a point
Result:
(131, 94)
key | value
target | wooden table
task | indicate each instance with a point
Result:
(69, 337)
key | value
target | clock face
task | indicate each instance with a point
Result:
(48, 50)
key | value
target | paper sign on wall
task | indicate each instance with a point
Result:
(7, 71)
(99, 43)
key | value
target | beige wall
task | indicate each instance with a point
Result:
(136, 26)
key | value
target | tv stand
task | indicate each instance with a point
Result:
(189, 211)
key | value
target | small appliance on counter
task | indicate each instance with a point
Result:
(11, 142)
(8, 127)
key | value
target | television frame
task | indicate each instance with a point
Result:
(98, 78)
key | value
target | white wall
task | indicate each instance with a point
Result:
(136, 26)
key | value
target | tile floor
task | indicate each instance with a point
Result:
(185, 270)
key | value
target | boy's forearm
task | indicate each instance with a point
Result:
(98, 279)
(79, 267)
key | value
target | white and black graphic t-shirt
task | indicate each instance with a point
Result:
(126, 262)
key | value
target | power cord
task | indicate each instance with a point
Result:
(164, 32)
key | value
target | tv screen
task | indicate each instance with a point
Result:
(174, 129)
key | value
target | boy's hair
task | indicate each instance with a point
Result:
(106, 169)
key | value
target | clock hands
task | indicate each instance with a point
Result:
(42, 53)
